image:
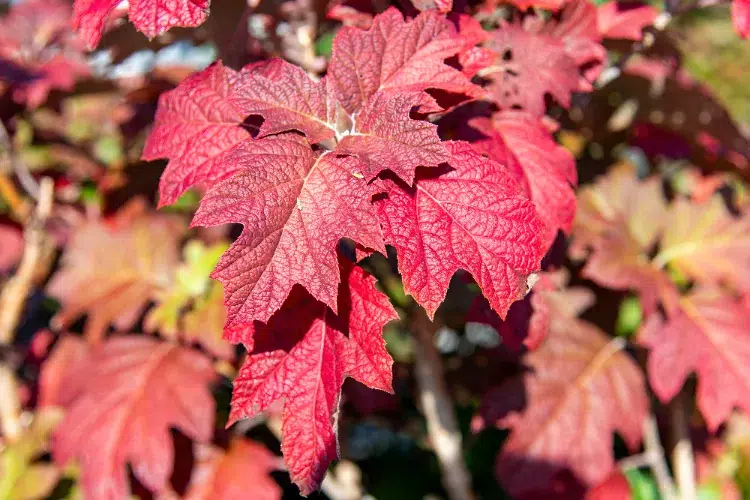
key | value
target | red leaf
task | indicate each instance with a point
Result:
(196, 125)
(545, 170)
(303, 356)
(150, 17)
(62, 379)
(239, 473)
(706, 334)
(398, 55)
(136, 388)
(383, 137)
(38, 50)
(580, 389)
(474, 218)
(624, 20)
(295, 207)
(286, 98)
(741, 17)
(526, 67)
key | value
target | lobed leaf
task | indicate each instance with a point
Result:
(302, 357)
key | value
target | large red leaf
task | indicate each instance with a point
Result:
(545, 170)
(295, 206)
(706, 334)
(581, 388)
(474, 218)
(241, 472)
(379, 78)
(135, 389)
(303, 356)
(195, 127)
(150, 17)
(398, 55)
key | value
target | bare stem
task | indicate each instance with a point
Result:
(658, 464)
(682, 454)
(12, 301)
(437, 407)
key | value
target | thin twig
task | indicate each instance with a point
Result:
(683, 462)
(12, 301)
(437, 407)
(652, 443)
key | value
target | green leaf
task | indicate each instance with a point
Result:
(642, 485)
(629, 317)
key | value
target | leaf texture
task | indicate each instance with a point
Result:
(545, 170)
(527, 67)
(195, 127)
(395, 54)
(707, 334)
(136, 388)
(295, 208)
(303, 356)
(473, 218)
(150, 17)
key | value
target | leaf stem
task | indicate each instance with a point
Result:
(658, 463)
(437, 407)
(683, 462)
(12, 301)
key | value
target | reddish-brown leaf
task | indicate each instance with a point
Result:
(545, 170)
(302, 356)
(706, 334)
(473, 218)
(581, 388)
(136, 388)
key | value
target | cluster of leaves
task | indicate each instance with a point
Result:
(435, 148)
